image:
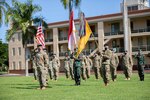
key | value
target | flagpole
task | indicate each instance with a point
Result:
(95, 39)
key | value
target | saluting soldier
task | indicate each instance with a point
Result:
(55, 65)
(140, 64)
(41, 60)
(66, 66)
(106, 65)
(127, 64)
(96, 66)
(113, 65)
(88, 65)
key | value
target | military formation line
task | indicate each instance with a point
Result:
(103, 64)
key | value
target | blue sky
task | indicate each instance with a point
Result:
(53, 11)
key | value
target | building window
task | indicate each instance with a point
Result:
(115, 28)
(19, 65)
(13, 51)
(19, 50)
(140, 41)
(13, 39)
(13, 65)
(19, 36)
(131, 24)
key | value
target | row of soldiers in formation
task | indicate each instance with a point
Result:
(103, 64)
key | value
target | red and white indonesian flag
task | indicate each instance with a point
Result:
(71, 34)
(40, 36)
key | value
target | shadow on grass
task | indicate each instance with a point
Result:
(30, 87)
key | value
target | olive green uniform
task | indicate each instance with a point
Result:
(41, 60)
(55, 65)
(113, 66)
(140, 66)
(77, 71)
(66, 66)
(127, 65)
(106, 66)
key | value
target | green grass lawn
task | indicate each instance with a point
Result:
(23, 88)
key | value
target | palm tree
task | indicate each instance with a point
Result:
(3, 9)
(70, 3)
(21, 18)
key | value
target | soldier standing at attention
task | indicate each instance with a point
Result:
(126, 63)
(71, 61)
(106, 65)
(50, 69)
(77, 70)
(114, 61)
(96, 66)
(41, 60)
(46, 64)
(66, 65)
(33, 53)
(55, 65)
(83, 68)
(140, 64)
(89, 65)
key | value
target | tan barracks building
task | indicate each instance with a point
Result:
(106, 29)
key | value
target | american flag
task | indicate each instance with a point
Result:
(40, 36)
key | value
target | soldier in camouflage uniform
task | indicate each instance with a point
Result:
(83, 68)
(140, 64)
(88, 65)
(41, 61)
(114, 61)
(46, 65)
(127, 64)
(33, 53)
(71, 61)
(50, 69)
(106, 65)
(96, 66)
(66, 65)
(55, 65)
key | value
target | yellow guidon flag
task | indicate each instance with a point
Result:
(84, 32)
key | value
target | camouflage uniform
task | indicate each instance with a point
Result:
(106, 66)
(50, 70)
(83, 68)
(46, 65)
(55, 65)
(34, 65)
(127, 64)
(88, 65)
(66, 65)
(71, 61)
(41, 60)
(96, 66)
(113, 66)
(140, 65)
